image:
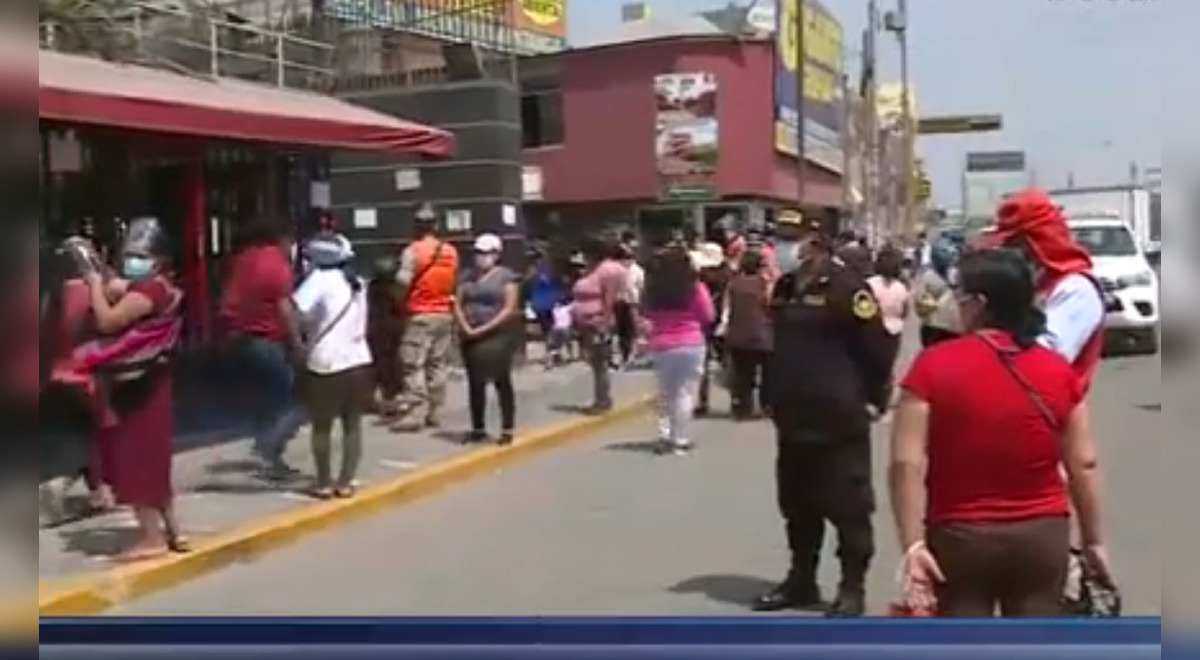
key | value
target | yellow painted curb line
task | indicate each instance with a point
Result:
(128, 583)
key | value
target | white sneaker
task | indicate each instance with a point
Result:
(682, 447)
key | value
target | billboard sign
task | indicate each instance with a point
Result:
(787, 63)
(687, 136)
(822, 43)
(524, 26)
(996, 161)
(807, 34)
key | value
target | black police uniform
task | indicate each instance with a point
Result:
(829, 333)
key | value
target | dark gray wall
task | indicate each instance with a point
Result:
(482, 177)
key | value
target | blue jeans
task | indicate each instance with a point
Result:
(266, 362)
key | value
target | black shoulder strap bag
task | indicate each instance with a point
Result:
(1085, 596)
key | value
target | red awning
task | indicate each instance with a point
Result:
(85, 90)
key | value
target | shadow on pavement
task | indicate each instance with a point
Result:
(727, 589)
(637, 447)
(99, 542)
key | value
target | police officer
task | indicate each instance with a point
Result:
(828, 327)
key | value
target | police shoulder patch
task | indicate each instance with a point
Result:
(864, 305)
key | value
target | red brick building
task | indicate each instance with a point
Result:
(590, 116)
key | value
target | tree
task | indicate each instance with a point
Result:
(92, 27)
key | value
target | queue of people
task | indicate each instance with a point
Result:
(993, 465)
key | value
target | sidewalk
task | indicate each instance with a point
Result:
(219, 491)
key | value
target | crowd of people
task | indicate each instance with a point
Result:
(992, 455)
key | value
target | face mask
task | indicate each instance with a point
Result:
(138, 268)
(485, 261)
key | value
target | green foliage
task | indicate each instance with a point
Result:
(83, 26)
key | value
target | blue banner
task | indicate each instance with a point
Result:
(603, 632)
(594, 639)
(787, 87)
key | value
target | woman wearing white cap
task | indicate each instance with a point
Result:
(486, 308)
(332, 305)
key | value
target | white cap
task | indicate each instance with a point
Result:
(489, 244)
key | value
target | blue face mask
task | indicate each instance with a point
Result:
(138, 268)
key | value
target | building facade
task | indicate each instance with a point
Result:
(602, 138)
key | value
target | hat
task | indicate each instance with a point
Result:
(489, 244)
(329, 250)
(708, 255)
(790, 218)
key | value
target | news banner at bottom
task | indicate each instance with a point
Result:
(595, 639)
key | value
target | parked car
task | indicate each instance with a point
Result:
(1130, 283)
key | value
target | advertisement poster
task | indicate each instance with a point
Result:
(787, 95)
(687, 141)
(809, 34)
(528, 26)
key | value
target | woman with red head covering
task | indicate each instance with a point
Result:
(1071, 297)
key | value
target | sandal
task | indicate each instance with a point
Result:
(323, 493)
(344, 492)
(179, 544)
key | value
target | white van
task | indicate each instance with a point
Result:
(1131, 285)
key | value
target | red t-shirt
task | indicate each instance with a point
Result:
(260, 278)
(993, 457)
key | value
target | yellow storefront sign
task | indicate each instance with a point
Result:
(544, 13)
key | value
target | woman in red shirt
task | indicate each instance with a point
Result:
(985, 421)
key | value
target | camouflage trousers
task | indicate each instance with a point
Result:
(425, 353)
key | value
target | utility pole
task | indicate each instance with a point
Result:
(801, 65)
(909, 135)
(871, 131)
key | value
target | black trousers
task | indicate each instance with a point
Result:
(714, 353)
(826, 477)
(489, 361)
(749, 378)
(626, 319)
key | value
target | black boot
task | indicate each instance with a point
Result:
(851, 603)
(791, 594)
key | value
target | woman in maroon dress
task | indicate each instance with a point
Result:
(138, 447)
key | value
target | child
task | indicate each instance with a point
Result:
(559, 341)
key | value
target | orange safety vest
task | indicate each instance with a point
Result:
(433, 287)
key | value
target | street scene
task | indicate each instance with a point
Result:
(606, 527)
(590, 308)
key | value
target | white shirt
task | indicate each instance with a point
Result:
(893, 302)
(321, 299)
(1074, 311)
(562, 318)
(635, 282)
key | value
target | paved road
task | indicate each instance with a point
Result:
(604, 528)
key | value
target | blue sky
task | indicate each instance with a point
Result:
(1081, 83)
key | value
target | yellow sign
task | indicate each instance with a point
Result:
(822, 39)
(865, 307)
(789, 47)
(820, 85)
(543, 13)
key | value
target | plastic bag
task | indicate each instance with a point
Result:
(1085, 595)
